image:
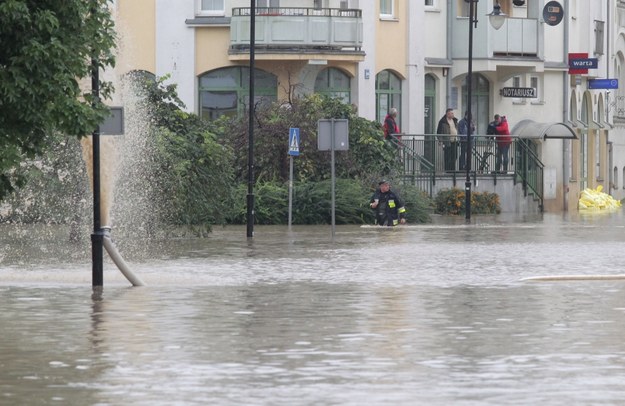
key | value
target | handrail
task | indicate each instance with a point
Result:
(530, 170)
(298, 11)
(410, 152)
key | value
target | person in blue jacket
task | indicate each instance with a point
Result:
(389, 209)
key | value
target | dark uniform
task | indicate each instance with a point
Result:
(390, 209)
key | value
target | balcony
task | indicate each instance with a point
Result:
(298, 30)
(515, 48)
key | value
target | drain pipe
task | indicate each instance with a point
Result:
(448, 53)
(566, 144)
(118, 260)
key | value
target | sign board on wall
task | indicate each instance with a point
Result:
(603, 83)
(577, 56)
(529, 92)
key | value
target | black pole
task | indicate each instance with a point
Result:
(469, 153)
(97, 238)
(250, 156)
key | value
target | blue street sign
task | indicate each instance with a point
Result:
(587, 63)
(603, 83)
(294, 141)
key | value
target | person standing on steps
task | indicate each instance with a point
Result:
(503, 140)
(463, 131)
(448, 126)
(391, 129)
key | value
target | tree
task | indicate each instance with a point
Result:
(48, 47)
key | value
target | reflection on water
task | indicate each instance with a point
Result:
(431, 315)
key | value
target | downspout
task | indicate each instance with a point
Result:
(566, 144)
(608, 34)
(608, 61)
(448, 50)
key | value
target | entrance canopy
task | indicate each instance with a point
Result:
(542, 131)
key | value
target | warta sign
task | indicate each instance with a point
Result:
(528, 92)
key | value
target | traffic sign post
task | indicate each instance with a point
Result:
(333, 135)
(293, 151)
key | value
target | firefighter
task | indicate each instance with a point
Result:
(389, 209)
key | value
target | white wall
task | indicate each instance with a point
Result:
(175, 46)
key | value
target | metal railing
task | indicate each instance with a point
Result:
(426, 157)
(445, 154)
(298, 11)
(529, 169)
(297, 28)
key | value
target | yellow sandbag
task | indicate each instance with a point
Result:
(595, 200)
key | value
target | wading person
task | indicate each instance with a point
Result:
(389, 209)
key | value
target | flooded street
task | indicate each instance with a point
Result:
(434, 314)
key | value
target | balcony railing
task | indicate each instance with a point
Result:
(298, 28)
(517, 37)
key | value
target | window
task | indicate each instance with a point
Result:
(267, 3)
(333, 83)
(429, 3)
(387, 8)
(480, 105)
(599, 28)
(387, 93)
(344, 5)
(211, 7)
(463, 8)
(430, 115)
(535, 83)
(226, 91)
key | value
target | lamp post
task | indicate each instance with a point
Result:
(496, 18)
(97, 238)
(250, 155)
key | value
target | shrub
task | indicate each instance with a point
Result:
(452, 202)
(312, 203)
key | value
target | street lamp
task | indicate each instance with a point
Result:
(497, 18)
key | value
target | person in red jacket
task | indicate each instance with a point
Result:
(391, 129)
(503, 143)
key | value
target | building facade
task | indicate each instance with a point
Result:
(407, 54)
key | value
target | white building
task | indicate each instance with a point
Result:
(408, 54)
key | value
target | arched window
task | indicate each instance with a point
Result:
(615, 176)
(387, 93)
(480, 95)
(334, 83)
(225, 91)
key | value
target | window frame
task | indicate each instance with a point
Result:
(391, 95)
(239, 87)
(206, 12)
(330, 88)
(387, 16)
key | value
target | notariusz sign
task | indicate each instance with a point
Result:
(529, 92)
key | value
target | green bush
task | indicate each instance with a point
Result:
(312, 203)
(452, 202)
(368, 152)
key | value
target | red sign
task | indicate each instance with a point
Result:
(581, 55)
